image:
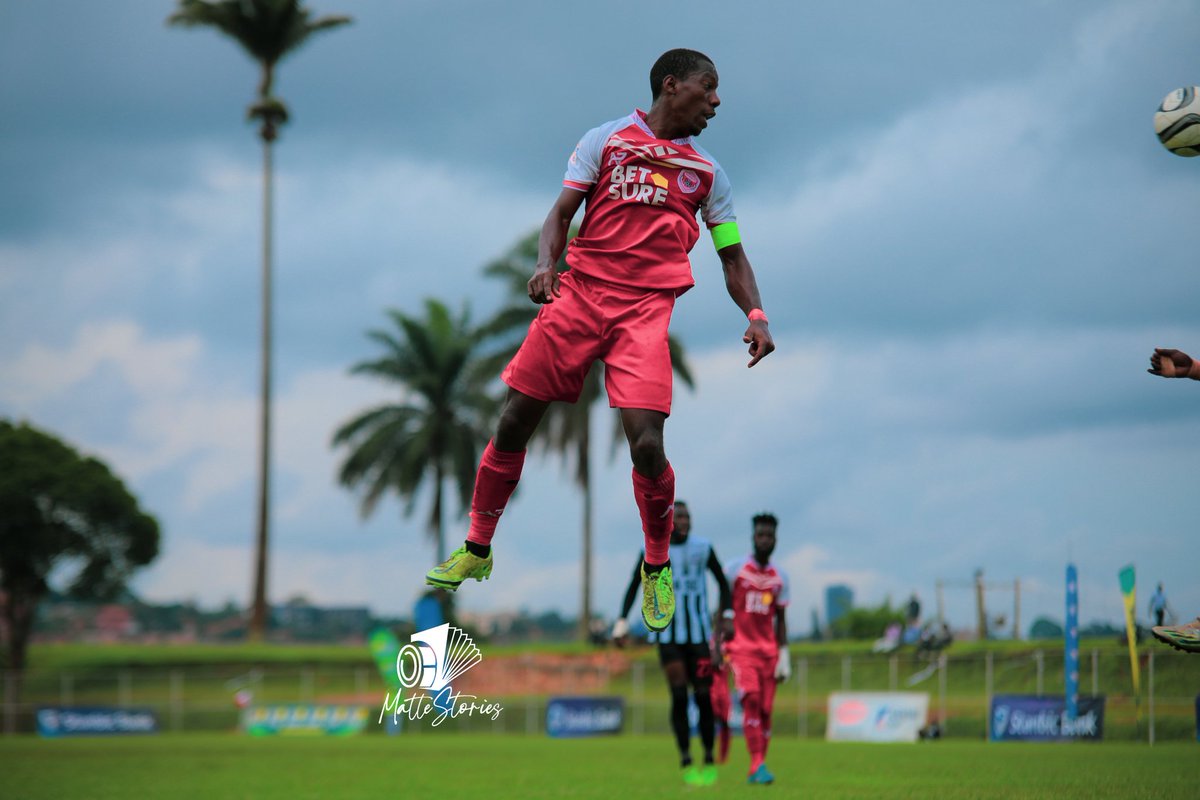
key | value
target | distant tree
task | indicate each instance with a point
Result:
(1045, 628)
(867, 623)
(437, 429)
(566, 428)
(268, 30)
(66, 517)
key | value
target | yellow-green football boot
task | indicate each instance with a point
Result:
(658, 598)
(460, 566)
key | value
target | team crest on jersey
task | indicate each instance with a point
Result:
(688, 181)
(618, 157)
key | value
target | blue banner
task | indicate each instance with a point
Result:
(1071, 656)
(1028, 718)
(584, 716)
(57, 721)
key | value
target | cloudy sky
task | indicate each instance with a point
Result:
(967, 237)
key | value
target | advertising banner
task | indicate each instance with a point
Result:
(58, 721)
(1028, 718)
(304, 718)
(876, 716)
(584, 716)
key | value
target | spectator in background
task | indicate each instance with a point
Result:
(1158, 605)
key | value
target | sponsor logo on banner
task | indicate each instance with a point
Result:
(876, 716)
(584, 716)
(431, 660)
(53, 722)
(1029, 718)
(304, 718)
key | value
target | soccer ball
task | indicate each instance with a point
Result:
(1177, 121)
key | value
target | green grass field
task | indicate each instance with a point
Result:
(517, 767)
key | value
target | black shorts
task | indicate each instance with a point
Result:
(696, 658)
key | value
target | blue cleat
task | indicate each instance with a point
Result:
(761, 775)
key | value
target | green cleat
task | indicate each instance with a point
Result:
(708, 775)
(658, 598)
(692, 776)
(457, 568)
(1181, 637)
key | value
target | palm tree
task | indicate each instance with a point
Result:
(268, 30)
(438, 428)
(566, 428)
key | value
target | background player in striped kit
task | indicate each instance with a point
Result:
(683, 647)
(758, 650)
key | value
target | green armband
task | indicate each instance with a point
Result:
(725, 234)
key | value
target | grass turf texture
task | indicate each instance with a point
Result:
(511, 767)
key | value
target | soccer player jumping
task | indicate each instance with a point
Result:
(758, 649)
(644, 179)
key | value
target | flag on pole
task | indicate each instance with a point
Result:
(385, 648)
(1129, 591)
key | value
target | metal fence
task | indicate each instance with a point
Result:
(202, 697)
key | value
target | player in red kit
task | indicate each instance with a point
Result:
(758, 649)
(644, 180)
(722, 704)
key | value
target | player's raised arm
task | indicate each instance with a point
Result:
(543, 286)
(743, 288)
(1171, 363)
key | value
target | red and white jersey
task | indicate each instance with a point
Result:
(642, 197)
(757, 592)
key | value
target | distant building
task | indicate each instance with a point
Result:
(299, 620)
(839, 599)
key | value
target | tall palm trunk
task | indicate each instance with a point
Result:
(585, 483)
(258, 617)
(439, 532)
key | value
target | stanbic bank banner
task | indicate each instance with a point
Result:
(56, 721)
(876, 716)
(584, 716)
(1029, 718)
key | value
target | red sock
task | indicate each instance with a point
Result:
(752, 729)
(494, 484)
(723, 742)
(656, 502)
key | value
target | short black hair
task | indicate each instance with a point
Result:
(679, 62)
(765, 517)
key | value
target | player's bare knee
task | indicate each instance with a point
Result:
(646, 450)
(517, 423)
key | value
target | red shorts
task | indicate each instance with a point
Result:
(623, 326)
(755, 673)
